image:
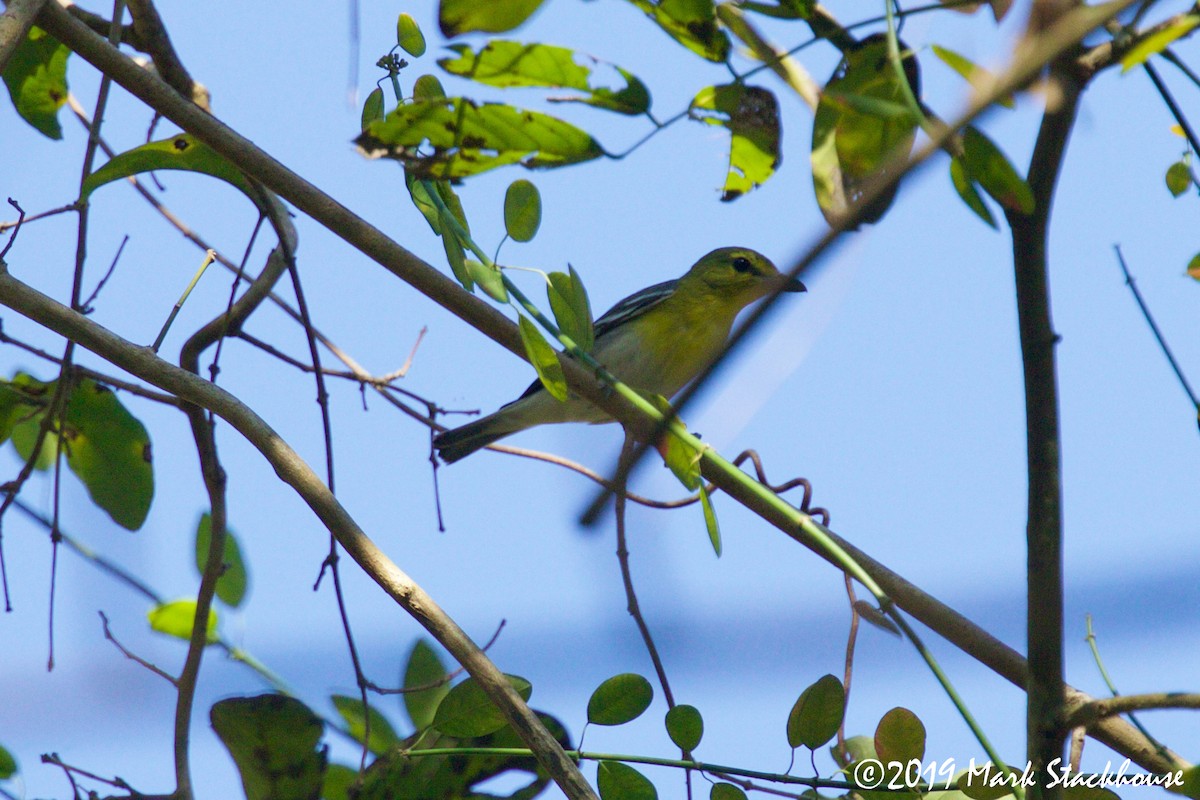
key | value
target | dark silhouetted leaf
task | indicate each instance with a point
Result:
(619, 699)
(36, 77)
(231, 586)
(467, 138)
(751, 114)
(274, 740)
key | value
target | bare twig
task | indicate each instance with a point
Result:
(108, 634)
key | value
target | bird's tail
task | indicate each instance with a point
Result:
(464, 440)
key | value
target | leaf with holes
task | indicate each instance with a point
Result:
(467, 138)
(692, 23)
(751, 113)
(36, 77)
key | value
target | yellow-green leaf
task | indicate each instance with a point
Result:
(36, 77)
(467, 138)
(489, 279)
(571, 307)
(182, 152)
(781, 9)
(507, 63)
(973, 73)
(544, 359)
(1178, 178)
(493, 16)
(967, 191)
(428, 87)
(692, 23)
(685, 726)
(987, 165)
(1158, 41)
(234, 580)
(522, 210)
(372, 107)
(409, 36)
(382, 736)
(751, 114)
(275, 742)
(710, 520)
(177, 619)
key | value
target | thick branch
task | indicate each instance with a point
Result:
(1090, 713)
(292, 470)
(15, 22)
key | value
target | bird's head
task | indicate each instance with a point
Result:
(739, 272)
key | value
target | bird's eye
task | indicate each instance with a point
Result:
(742, 264)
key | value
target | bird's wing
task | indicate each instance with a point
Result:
(625, 310)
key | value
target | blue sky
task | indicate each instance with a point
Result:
(894, 385)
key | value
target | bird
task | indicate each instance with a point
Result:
(656, 341)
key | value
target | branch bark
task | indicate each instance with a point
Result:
(15, 22)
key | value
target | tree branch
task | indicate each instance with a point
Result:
(1089, 713)
(15, 22)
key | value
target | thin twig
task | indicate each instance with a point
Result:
(108, 634)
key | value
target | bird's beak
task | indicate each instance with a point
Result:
(793, 285)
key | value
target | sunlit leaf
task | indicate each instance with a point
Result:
(382, 735)
(494, 16)
(710, 520)
(428, 87)
(685, 726)
(975, 75)
(572, 309)
(900, 736)
(489, 279)
(817, 713)
(181, 152)
(616, 780)
(1158, 41)
(522, 210)
(857, 130)
(466, 711)
(782, 9)
(467, 138)
(619, 699)
(692, 23)
(424, 683)
(987, 165)
(275, 742)
(36, 77)
(409, 36)
(1179, 178)
(967, 191)
(231, 586)
(177, 618)
(372, 107)
(544, 359)
(751, 114)
(507, 63)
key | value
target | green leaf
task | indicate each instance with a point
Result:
(1156, 42)
(1191, 783)
(522, 210)
(681, 457)
(618, 781)
(967, 191)
(900, 736)
(751, 114)
(1089, 793)
(726, 791)
(373, 107)
(180, 152)
(817, 713)
(507, 63)
(685, 726)
(572, 309)
(489, 279)
(544, 359)
(986, 164)
(109, 450)
(692, 23)
(494, 16)
(428, 87)
(8, 765)
(274, 740)
(985, 782)
(973, 73)
(1179, 178)
(781, 9)
(619, 699)
(36, 77)
(177, 618)
(466, 711)
(857, 131)
(23, 399)
(338, 780)
(424, 669)
(409, 36)
(231, 586)
(457, 259)
(1193, 267)
(382, 736)
(467, 138)
(710, 520)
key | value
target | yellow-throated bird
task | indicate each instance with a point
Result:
(655, 341)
